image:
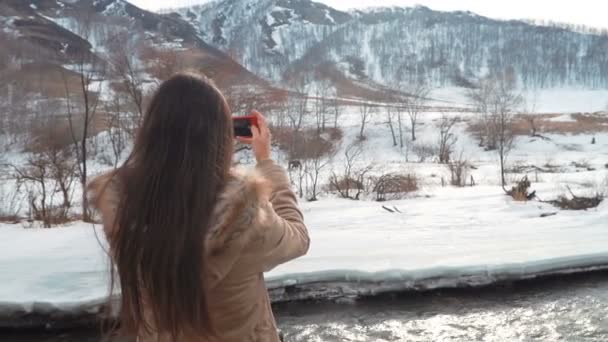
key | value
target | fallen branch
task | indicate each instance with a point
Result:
(577, 202)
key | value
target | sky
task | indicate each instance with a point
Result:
(587, 12)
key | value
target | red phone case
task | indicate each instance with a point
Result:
(253, 119)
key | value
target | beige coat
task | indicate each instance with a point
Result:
(256, 226)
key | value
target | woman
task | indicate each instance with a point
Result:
(190, 237)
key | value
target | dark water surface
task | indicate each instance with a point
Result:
(570, 308)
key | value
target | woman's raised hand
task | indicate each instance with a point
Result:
(260, 141)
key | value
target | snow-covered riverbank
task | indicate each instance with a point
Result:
(454, 237)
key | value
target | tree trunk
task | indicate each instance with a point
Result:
(390, 125)
(400, 130)
(502, 168)
(413, 129)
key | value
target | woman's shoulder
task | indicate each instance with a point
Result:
(103, 194)
(103, 188)
(240, 208)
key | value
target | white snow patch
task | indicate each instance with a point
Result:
(329, 17)
(563, 118)
(555, 100)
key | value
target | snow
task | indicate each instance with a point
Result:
(329, 18)
(115, 9)
(563, 118)
(58, 266)
(552, 100)
(8, 25)
(476, 234)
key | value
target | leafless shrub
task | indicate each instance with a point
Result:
(342, 184)
(392, 186)
(46, 175)
(459, 171)
(424, 151)
(447, 139)
(49, 173)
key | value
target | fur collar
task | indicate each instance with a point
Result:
(239, 206)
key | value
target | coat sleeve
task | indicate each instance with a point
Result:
(285, 236)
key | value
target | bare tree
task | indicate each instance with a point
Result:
(505, 101)
(118, 127)
(83, 110)
(337, 111)
(530, 109)
(365, 111)
(352, 177)
(298, 104)
(447, 139)
(127, 67)
(313, 166)
(389, 121)
(323, 90)
(418, 94)
(400, 125)
(497, 99)
(481, 98)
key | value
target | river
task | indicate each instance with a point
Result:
(567, 308)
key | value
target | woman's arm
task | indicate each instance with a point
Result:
(285, 234)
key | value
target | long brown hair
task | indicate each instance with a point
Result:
(179, 164)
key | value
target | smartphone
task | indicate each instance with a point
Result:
(242, 125)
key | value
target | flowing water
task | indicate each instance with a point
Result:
(572, 308)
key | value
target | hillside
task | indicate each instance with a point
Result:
(60, 34)
(279, 38)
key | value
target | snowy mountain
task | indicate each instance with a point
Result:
(266, 35)
(279, 38)
(361, 53)
(56, 33)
